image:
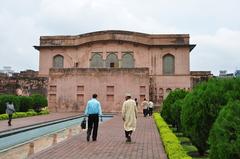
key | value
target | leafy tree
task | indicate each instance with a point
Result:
(168, 105)
(225, 134)
(176, 113)
(201, 107)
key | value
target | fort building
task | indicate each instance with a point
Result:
(112, 63)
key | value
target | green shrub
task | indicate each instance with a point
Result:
(8, 98)
(168, 104)
(19, 114)
(44, 111)
(24, 114)
(201, 108)
(31, 113)
(225, 135)
(39, 102)
(176, 113)
(25, 103)
(171, 143)
(3, 116)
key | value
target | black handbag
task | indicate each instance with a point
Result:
(83, 123)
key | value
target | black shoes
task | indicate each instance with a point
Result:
(128, 139)
(88, 138)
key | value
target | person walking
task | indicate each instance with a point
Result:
(144, 104)
(136, 101)
(10, 110)
(150, 109)
(129, 116)
(93, 111)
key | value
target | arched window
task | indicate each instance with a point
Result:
(96, 61)
(168, 90)
(168, 64)
(112, 60)
(58, 61)
(161, 90)
(127, 61)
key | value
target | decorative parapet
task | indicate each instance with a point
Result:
(178, 40)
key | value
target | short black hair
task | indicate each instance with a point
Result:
(94, 95)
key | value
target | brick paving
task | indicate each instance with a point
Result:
(21, 122)
(111, 143)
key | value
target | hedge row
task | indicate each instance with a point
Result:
(23, 103)
(171, 143)
(24, 114)
(198, 112)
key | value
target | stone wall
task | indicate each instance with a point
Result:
(23, 84)
(71, 88)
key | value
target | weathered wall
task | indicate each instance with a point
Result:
(24, 84)
(70, 89)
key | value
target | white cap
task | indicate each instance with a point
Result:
(128, 95)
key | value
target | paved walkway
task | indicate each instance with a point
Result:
(111, 143)
(21, 122)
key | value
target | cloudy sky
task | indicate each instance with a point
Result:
(214, 25)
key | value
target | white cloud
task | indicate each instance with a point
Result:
(212, 25)
(217, 52)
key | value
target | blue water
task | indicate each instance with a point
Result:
(15, 139)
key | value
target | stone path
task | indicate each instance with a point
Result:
(111, 143)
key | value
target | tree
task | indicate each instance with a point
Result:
(167, 110)
(176, 113)
(202, 106)
(225, 135)
(200, 110)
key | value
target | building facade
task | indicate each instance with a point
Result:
(112, 63)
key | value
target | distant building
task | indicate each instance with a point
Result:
(7, 70)
(237, 73)
(222, 73)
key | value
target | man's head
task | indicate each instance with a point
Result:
(94, 95)
(127, 96)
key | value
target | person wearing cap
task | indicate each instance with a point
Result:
(93, 110)
(129, 116)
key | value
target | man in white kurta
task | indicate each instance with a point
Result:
(129, 115)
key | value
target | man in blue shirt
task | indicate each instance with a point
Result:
(93, 110)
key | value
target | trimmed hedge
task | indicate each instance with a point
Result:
(39, 102)
(7, 98)
(23, 103)
(171, 143)
(24, 114)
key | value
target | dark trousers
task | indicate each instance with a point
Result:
(145, 112)
(150, 111)
(92, 124)
(9, 119)
(128, 135)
